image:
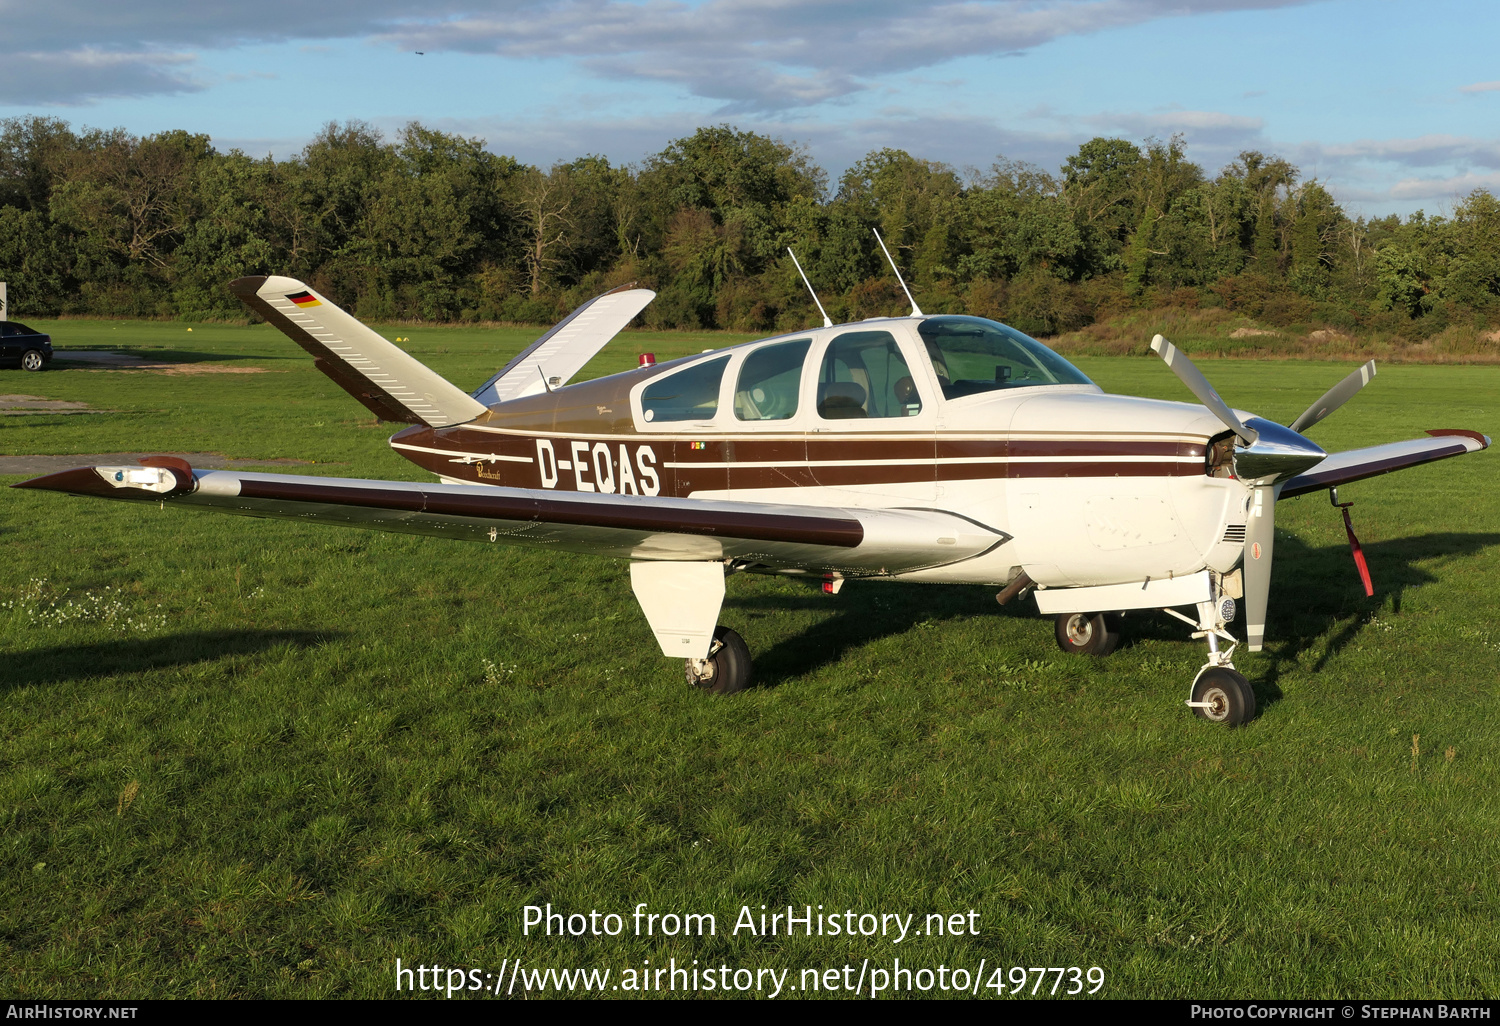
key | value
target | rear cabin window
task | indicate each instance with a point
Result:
(864, 376)
(972, 355)
(691, 394)
(769, 380)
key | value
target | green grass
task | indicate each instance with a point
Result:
(273, 758)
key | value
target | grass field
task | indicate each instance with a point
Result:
(257, 758)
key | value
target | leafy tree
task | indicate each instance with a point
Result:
(1099, 194)
(907, 199)
(32, 151)
(1015, 225)
(133, 197)
(435, 225)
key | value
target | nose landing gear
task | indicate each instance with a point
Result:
(1220, 693)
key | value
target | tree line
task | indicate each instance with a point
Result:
(434, 226)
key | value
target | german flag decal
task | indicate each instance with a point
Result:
(304, 299)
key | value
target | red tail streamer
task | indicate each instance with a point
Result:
(1359, 554)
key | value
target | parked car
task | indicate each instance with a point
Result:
(22, 347)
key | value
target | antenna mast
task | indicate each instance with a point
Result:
(826, 322)
(916, 311)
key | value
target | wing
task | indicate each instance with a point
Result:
(856, 542)
(390, 382)
(1358, 464)
(559, 354)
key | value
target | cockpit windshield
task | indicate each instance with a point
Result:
(972, 355)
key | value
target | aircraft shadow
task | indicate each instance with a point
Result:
(1315, 591)
(864, 612)
(79, 662)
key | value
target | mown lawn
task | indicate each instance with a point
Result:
(262, 758)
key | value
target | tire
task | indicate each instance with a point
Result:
(32, 360)
(1085, 634)
(1232, 698)
(727, 669)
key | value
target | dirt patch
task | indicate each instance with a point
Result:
(98, 360)
(1329, 335)
(23, 405)
(203, 368)
(1249, 332)
(199, 460)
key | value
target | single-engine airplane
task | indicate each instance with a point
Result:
(940, 449)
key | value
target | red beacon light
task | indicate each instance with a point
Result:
(648, 359)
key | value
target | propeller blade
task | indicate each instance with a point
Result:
(1180, 365)
(1260, 539)
(1335, 397)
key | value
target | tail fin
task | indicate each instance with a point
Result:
(386, 379)
(561, 353)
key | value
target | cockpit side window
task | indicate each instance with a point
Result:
(769, 381)
(864, 375)
(971, 355)
(691, 394)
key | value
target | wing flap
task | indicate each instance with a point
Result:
(389, 381)
(1358, 464)
(852, 541)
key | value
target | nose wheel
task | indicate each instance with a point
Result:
(727, 668)
(1095, 634)
(1221, 694)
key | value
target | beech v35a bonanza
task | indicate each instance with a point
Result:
(939, 449)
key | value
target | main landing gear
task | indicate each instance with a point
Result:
(1096, 634)
(727, 668)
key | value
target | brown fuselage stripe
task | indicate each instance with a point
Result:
(784, 462)
(806, 530)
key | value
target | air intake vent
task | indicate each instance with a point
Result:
(1235, 533)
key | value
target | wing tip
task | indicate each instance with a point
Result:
(1482, 439)
(78, 481)
(248, 285)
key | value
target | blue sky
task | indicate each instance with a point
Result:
(1395, 105)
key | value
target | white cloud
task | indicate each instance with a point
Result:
(1421, 151)
(770, 55)
(1480, 87)
(1444, 188)
(81, 76)
(1196, 126)
(752, 55)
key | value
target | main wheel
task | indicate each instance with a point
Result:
(1226, 696)
(1084, 634)
(32, 360)
(727, 668)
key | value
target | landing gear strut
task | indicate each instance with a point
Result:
(1220, 693)
(727, 668)
(1095, 634)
